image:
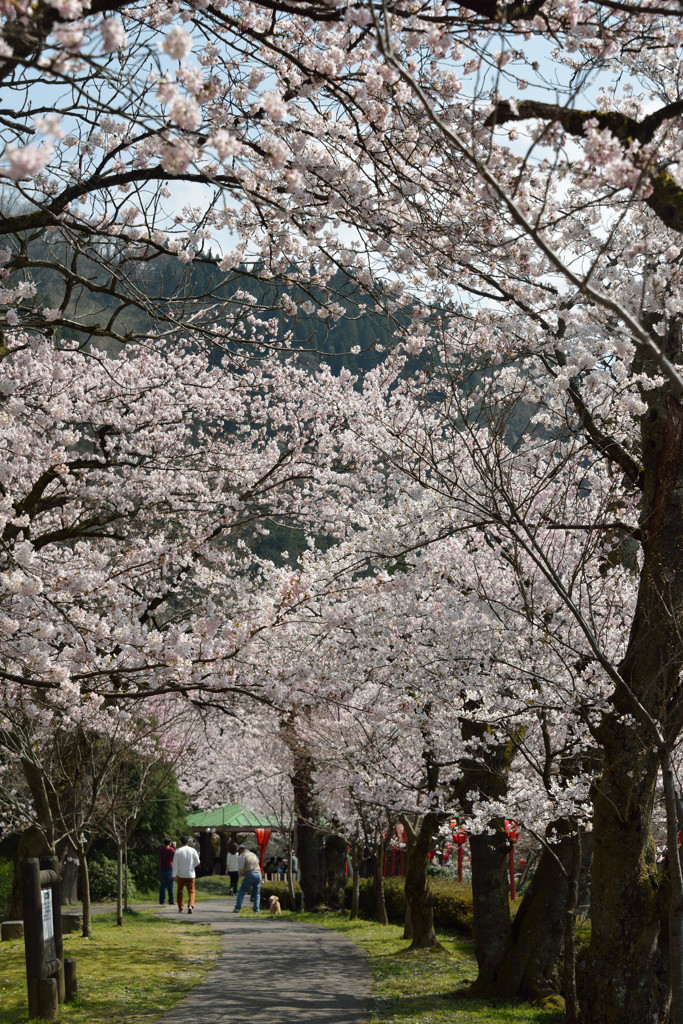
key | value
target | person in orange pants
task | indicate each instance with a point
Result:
(185, 860)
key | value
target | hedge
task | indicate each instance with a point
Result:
(452, 900)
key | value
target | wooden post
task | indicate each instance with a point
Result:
(33, 931)
(70, 979)
(51, 864)
(45, 981)
(48, 998)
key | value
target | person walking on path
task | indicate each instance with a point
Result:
(185, 860)
(232, 867)
(166, 853)
(250, 871)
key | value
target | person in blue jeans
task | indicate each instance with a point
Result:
(166, 871)
(250, 873)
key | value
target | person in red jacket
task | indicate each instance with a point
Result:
(166, 871)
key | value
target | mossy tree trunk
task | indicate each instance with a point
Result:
(378, 883)
(290, 873)
(335, 871)
(356, 858)
(85, 892)
(528, 963)
(485, 772)
(309, 839)
(119, 885)
(490, 905)
(418, 895)
(629, 967)
(31, 844)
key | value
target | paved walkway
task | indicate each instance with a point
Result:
(274, 971)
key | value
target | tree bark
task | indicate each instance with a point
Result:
(528, 965)
(31, 844)
(491, 905)
(378, 884)
(290, 873)
(69, 872)
(570, 996)
(418, 895)
(309, 840)
(335, 871)
(119, 885)
(85, 893)
(628, 971)
(355, 881)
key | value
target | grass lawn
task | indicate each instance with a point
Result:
(129, 974)
(418, 987)
(138, 972)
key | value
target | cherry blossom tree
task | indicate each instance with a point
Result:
(512, 172)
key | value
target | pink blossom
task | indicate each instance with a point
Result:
(113, 34)
(274, 105)
(177, 43)
(293, 179)
(27, 161)
(177, 155)
(185, 113)
(225, 144)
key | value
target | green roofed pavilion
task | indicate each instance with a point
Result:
(232, 818)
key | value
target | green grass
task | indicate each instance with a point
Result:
(129, 974)
(138, 972)
(418, 987)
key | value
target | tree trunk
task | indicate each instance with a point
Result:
(31, 843)
(309, 842)
(85, 893)
(69, 873)
(418, 895)
(290, 873)
(491, 905)
(378, 884)
(409, 833)
(524, 964)
(570, 996)
(119, 885)
(335, 871)
(355, 881)
(126, 905)
(627, 975)
(485, 772)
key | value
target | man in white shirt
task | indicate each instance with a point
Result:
(185, 860)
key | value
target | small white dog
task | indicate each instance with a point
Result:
(275, 905)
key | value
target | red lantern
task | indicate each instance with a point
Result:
(262, 837)
(459, 838)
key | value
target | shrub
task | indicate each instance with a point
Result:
(213, 885)
(452, 901)
(103, 883)
(144, 868)
(281, 890)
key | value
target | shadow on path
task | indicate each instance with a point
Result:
(274, 970)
